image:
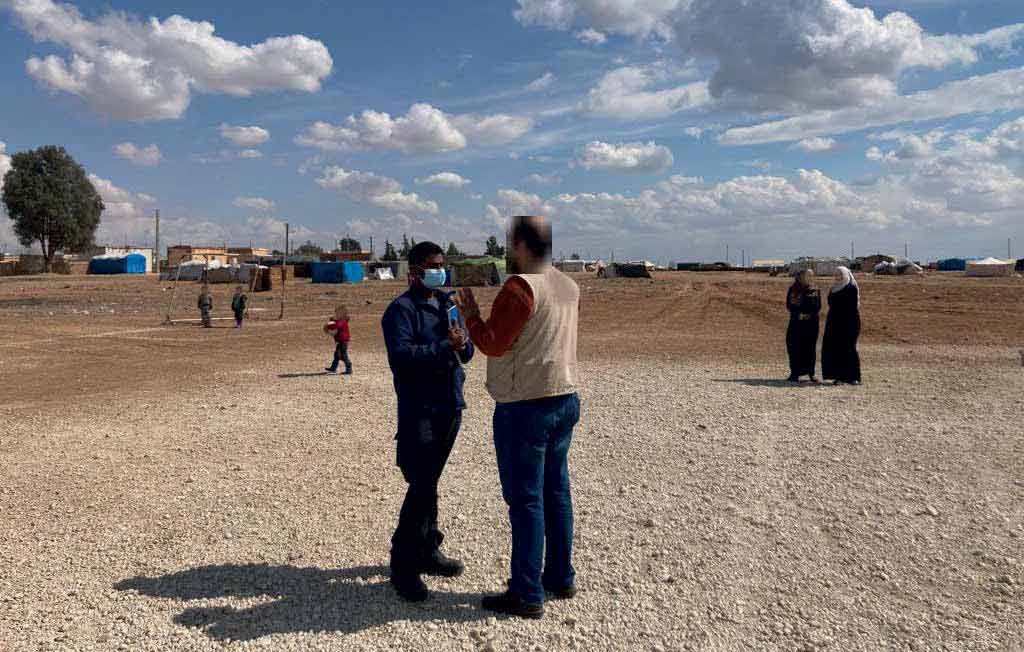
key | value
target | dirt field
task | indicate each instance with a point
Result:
(170, 487)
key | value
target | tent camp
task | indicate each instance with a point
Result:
(191, 270)
(130, 264)
(990, 267)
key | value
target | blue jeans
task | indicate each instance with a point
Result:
(531, 439)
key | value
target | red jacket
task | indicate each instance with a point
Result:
(340, 330)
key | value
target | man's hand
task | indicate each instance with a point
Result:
(458, 338)
(467, 303)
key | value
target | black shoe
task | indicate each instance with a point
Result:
(441, 566)
(512, 605)
(409, 586)
(794, 379)
(566, 593)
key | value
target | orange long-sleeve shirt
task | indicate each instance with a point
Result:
(512, 309)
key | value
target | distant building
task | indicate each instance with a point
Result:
(346, 256)
(249, 254)
(178, 253)
(770, 265)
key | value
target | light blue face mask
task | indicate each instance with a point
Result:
(434, 278)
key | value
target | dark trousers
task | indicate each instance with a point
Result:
(424, 444)
(341, 354)
(532, 439)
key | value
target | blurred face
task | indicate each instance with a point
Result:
(838, 276)
(416, 272)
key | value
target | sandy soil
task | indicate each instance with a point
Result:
(180, 488)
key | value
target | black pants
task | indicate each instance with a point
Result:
(341, 354)
(424, 444)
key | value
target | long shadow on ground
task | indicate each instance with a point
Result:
(306, 375)
(764, 382)
(307, 600)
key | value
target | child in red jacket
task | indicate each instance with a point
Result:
(338, 328)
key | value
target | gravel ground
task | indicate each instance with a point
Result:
(717, 509)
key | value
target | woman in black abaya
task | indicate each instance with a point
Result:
(840, 361)
(804, 303)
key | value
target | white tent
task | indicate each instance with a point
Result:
(384, 274)
(990, 267)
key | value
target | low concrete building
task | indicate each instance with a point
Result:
(249, 254)
(178, 253)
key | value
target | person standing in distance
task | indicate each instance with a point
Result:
(426, 354)
(530, 342)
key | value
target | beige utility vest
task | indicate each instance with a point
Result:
(542, 362)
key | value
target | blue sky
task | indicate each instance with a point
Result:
(660, 128)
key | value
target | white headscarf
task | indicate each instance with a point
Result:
(847, 281)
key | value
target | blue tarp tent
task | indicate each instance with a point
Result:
(327, 272)
(953, 265)
(353, 272)
(130, 264)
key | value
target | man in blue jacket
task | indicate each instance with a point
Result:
(426, 354)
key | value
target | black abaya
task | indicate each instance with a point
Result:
(802, 334)
(839, 358)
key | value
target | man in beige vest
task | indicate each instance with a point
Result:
(530, 343)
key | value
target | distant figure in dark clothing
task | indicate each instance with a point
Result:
(205, 305)
(804, 303)
(239, 303)
(840, 361)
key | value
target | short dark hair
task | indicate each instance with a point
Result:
(423, 250)
(534, 232)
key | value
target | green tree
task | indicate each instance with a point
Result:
(309, 249)
(389, 252)
(575, 256)
(453, 250)
(51, 201)
(350, 245)
(406, 246)
(493, 249)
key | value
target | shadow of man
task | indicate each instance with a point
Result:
(765, 382)
(308, 600)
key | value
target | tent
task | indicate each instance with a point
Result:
(953, 265)
(130, 264)
(1020, 265)
(570, 266)
(383, 274)
(344, 272)
(885, 268)
(625, 270)
(474, 273)
(990, 267)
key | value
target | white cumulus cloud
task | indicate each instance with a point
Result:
(591, 37)
(815, 145)
(376, 190)
(445, 180)
(244, 136)
(541, 83)
(996, 91)
(625, 157)
(144, 156)
(255, 203)
(132, 69)
(630, 93)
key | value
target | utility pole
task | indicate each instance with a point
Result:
(156, 250)
(1009, 250)
(906, 250)
(853, 255)
(727, 254)
(284, 264)
(371, 248)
